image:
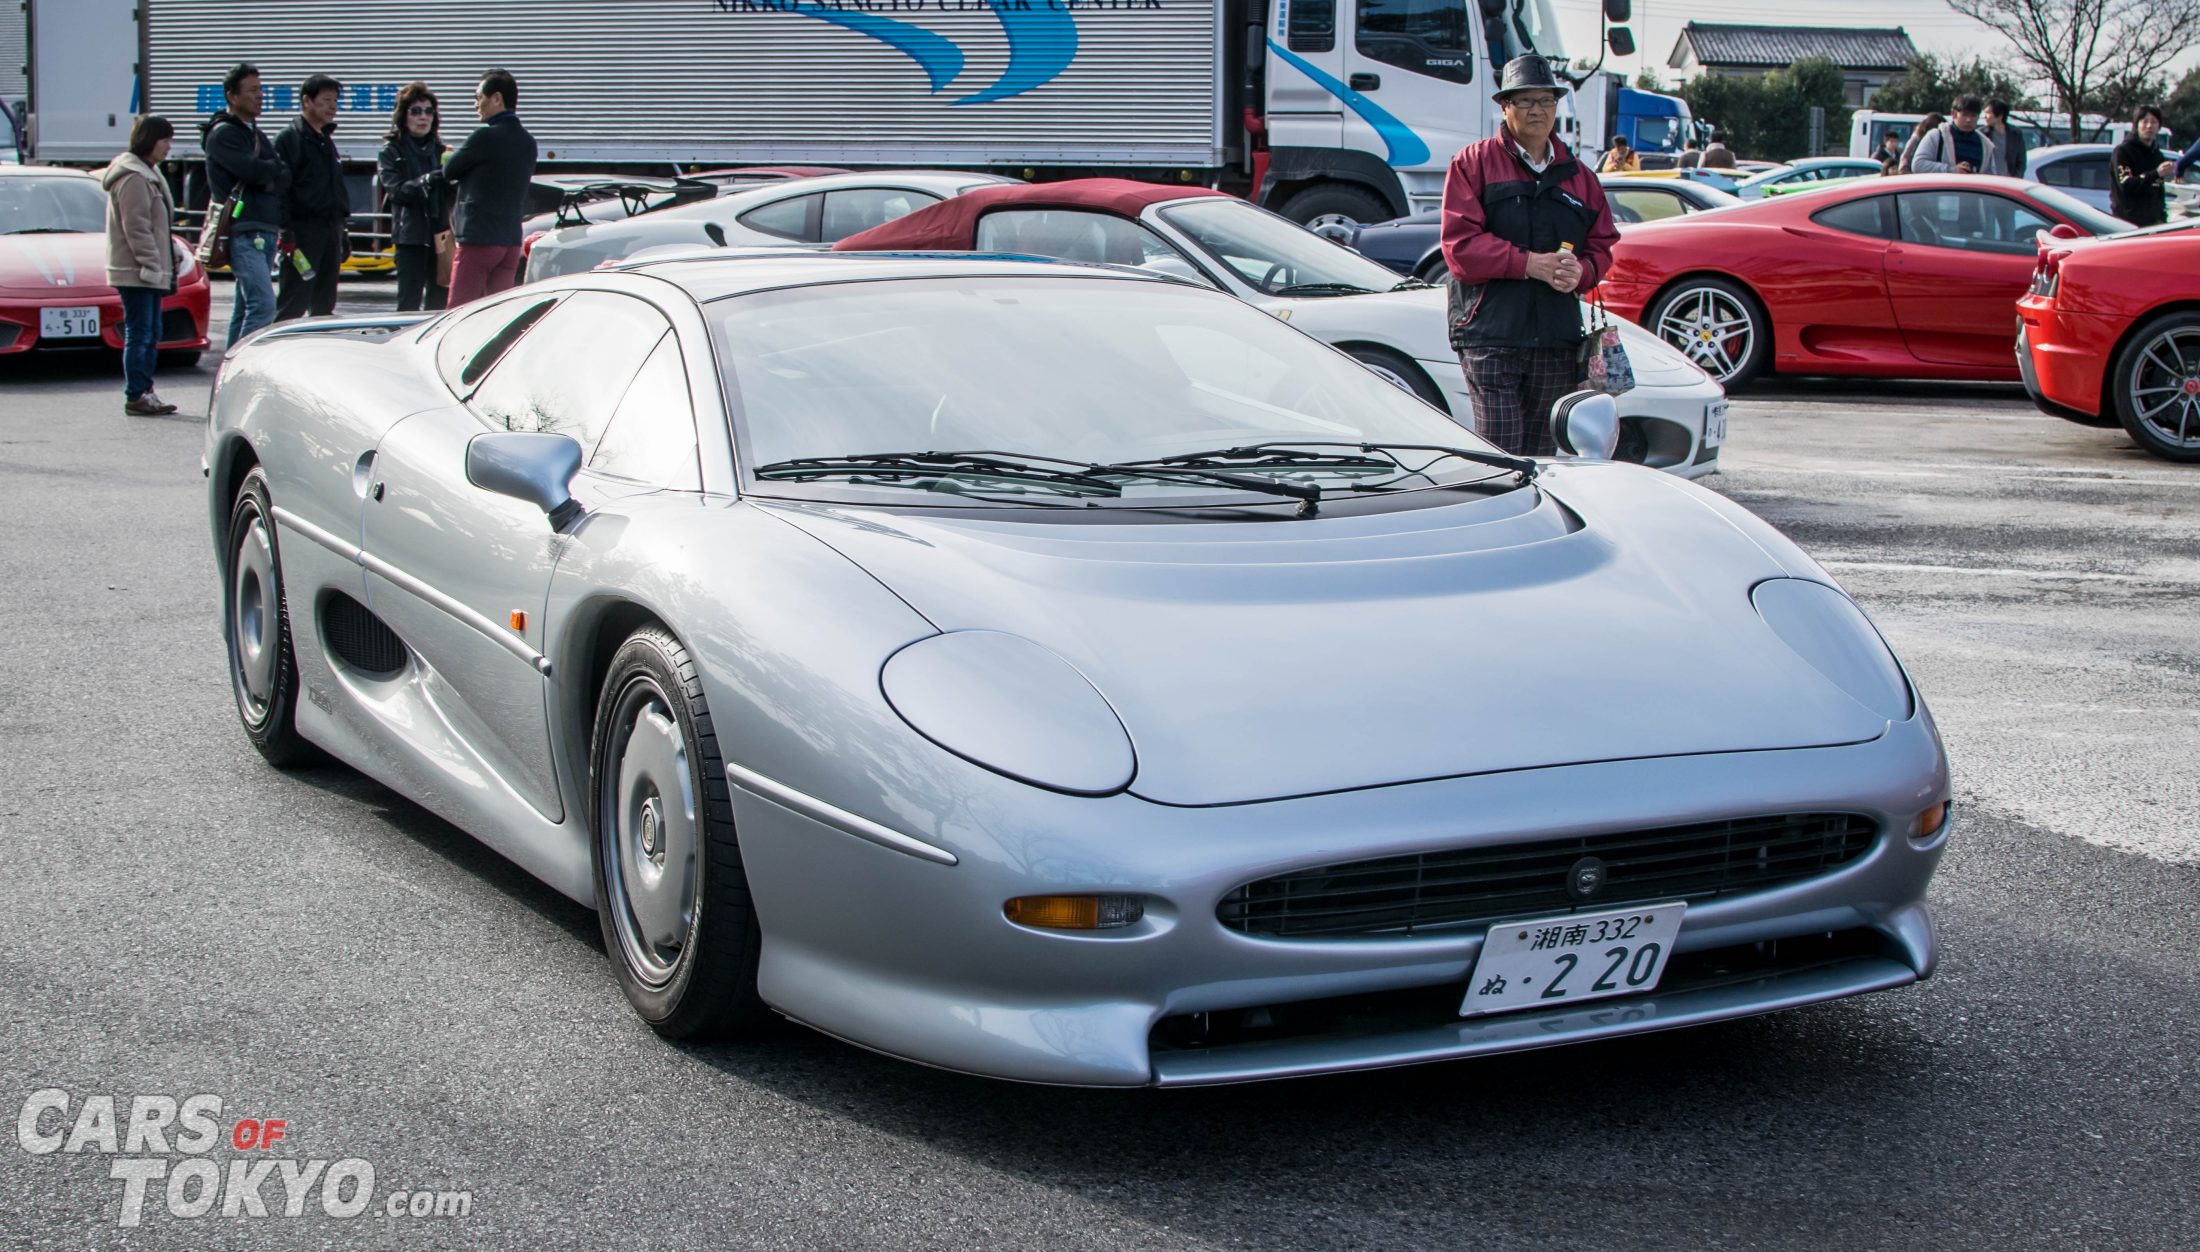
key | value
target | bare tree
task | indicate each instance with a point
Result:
(2081, 47)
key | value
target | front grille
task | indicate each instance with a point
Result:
(1472, 887)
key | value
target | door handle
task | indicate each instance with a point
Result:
(375, 492)
(1364, 82)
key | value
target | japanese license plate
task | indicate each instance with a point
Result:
(70, 323)
(1714, 424)
(1576, 956)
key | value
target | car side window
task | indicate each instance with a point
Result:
(567, 375)
(1871, 215)
(1422, 36)
(1076, 235)
(1312, 26)
(793, 218)
(858, 209)
(477, 340)
(1634, 204)
(651, 436)
(1970, 220)
(2085, 173)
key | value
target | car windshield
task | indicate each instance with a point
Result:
(1274, 255)
(1094, 371)
(2085, 215)
(48, 205)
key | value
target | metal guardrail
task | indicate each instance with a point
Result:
(371, 247)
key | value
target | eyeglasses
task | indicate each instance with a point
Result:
(420, 110)
(1532, 104)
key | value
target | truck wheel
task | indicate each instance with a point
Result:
(1335, 200)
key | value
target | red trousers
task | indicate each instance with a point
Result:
(482, 270)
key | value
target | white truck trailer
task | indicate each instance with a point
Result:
(1313, 107)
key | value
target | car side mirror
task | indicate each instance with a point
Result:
(1586, 424)
(530, 466)
(2064, 230)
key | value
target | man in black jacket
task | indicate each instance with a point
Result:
(318, 205)
(2137, 191)
(492, 170)
(242, 162)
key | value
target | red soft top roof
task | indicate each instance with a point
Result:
(952, 224)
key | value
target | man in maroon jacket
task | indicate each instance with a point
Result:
(1525, 227)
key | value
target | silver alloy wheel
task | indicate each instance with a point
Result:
(1390, 376)
(1335, 227)
(1712, 328)
(255, 624)
(2165, 386)
(651, 833)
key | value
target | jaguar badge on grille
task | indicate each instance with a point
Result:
(1586, 878)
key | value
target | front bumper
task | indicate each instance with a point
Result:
(183, 320)
(914, 958)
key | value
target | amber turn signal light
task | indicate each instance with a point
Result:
(519, 620)
(1931, 820)
(1074, 912)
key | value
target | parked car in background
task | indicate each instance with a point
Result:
(2110, 334)
(1674, 419)
(2082, 170)
(822, 209)
(1064, 674)
(1413, 245)
(1910, 277)
(53, 271)
(1803, 173)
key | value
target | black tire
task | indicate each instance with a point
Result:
(704, 986)
(1335, 199)
(178, 360)
(1395, 368)
(1704, 293)
(1433, 271)
(2172, 338)
(263, 668)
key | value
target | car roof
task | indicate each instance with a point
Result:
(54, 171)
(2055, 151)
(938, 182)
(952, 223)
(735, 272)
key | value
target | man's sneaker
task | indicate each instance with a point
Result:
(159, 404)
(148, 405)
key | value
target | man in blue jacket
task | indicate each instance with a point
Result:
(241, 162)
(492, 171)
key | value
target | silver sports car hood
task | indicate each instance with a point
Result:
(1602, 615)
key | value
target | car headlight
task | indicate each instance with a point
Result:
(1003, 702)
(1825, 628)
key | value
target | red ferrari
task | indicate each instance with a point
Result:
(53, 271)
(1909, 277)
(2110, 333)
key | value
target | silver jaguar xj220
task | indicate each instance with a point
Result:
(1063, 674)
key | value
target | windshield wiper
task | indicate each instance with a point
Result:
(1291, 454)
(1087, 477)
(1412, 284)
(1323, 289)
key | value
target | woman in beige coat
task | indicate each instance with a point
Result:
(141, 257)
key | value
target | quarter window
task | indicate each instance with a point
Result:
(2086, 173)
(1092, 238)
(1633, 205)
(475, 342)
(1424, 36)
(1311, 25)
(859, 209)
(1868, 216)
(789, 219)
(567, 375)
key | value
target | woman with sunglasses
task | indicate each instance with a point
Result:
(419, 211)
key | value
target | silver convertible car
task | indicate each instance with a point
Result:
(1062, 673)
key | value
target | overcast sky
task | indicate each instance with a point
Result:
(1933, 26)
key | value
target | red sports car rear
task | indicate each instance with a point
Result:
(2110, 334)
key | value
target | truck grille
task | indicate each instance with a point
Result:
(1472, 887)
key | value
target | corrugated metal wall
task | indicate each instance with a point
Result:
(720, 80)
(14, 51)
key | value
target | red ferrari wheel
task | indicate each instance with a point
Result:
(2157, 386)
(1718, 324)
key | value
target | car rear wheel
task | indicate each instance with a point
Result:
(1718, 324)
(1433, 271)
(263, 670)
(1335, 201)
(1399, 372)
(2156, 383)
(671, 895)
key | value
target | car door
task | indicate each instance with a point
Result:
(1305, 75)
(1412, 59)
(1956, 271)
(461, 574)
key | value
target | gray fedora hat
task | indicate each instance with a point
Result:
(1528, 73)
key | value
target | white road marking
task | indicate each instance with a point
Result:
(1900, 567)
(1959, 471)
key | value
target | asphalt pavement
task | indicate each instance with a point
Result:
(176, 919)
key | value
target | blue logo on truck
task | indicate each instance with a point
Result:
(1042, 35)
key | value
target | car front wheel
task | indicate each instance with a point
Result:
(2156, 383)
(671, 895)
(1399, 372)
(1719, 325)
(263, 670)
